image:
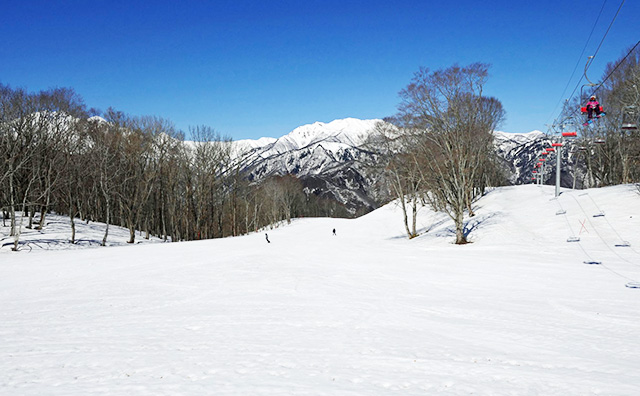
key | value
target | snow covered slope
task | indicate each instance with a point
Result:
(365, 312)
(57, 234)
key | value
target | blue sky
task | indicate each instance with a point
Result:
(252, 69)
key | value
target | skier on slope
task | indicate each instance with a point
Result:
(593, 106)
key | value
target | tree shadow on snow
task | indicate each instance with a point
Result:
(473, 224)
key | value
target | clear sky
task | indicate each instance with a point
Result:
(251, 69)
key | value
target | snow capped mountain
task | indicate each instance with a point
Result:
(327, 157)
(512, 140)
(330, 159)
(333, 136)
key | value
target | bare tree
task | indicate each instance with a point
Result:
(401, 168)
(450, 123)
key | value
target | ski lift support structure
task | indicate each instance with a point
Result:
(558, 148)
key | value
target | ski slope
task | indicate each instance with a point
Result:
(365, 312)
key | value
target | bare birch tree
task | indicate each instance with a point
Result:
(450, 123)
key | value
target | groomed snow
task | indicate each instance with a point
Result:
(365, 312)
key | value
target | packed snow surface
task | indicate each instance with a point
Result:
(365, 312)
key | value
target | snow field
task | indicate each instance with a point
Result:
(365, 312)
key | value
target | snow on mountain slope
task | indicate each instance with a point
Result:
(329, 158)
(253, 144)
(506, 140)
(347, 132)
(364, 312)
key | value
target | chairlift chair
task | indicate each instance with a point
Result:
(630, 118)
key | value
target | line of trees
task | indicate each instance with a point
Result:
(136, 172)
(439, 147)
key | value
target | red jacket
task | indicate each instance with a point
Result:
(593, 104)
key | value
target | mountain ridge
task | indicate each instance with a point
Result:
(330, 160)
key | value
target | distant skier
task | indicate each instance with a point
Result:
(593, 106)
(267, 237)
(334, 232)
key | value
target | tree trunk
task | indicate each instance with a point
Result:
(108, 219)
(461, 239)
(414, 204)
(132, 235)
(73, 227)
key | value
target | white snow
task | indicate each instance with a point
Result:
(366, 312)
(344, 133)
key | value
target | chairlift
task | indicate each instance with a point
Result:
(599, 214)
(556, 144)
(623, 244)
(550, 149)
(569, 134)
(630, 118)
(561, 212)
(599, 141)
(592, 262)
(573, 239)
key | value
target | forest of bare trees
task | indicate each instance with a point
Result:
(136, 172)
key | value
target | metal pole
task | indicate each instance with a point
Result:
(558, 153)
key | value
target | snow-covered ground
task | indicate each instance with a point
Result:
(365, 312)
(56, 235)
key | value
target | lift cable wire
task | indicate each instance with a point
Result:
(594, 55)
(621, 239)
(586, 253)
(597, 50)
(605, 243)
(579, 60)
(617, 66)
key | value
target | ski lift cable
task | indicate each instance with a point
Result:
(598, 49)
(605, 34)
(587, 255)
(591, 58)
(590, 258)
(611, 225)
(564, 212)
(579, 60)
(617, 66)
(595, 229)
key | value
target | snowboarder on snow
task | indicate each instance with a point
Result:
(593, 106)
(267, 237)
(334, 232)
